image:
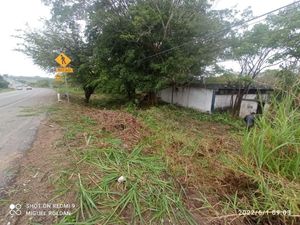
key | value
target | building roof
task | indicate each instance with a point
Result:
(216, 86)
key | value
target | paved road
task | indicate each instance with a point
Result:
(20, 115)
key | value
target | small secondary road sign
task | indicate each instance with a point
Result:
(64, 70)
(63, 60)
(58, 77)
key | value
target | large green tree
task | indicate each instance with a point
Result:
(286, 22)
(287, 25)
(255, 49)
(145, 45)
(129, 46)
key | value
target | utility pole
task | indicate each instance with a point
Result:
(67, 88)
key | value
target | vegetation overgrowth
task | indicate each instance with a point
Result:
(181, 166)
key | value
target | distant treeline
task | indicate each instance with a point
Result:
(3, 83)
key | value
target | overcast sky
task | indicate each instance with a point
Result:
(14, 14)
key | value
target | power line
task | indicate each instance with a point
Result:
(262, 19)
(221, 31)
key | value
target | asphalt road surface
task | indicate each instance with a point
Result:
(21, 113)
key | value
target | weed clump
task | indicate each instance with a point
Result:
(270, 157)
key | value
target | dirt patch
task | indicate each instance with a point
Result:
(7, 166)
(33, 184)
(237, 184)
(121, 124)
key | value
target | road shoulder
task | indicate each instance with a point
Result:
(32, 184)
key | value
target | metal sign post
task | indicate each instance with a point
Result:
(66, 83)
(63, 60)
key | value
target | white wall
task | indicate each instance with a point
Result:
(223, 101)
(166, 95)
(192, 97)
(201, 99)
(250, 96)
(248, 107)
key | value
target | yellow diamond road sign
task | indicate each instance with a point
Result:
(64, 70)
(63, 60)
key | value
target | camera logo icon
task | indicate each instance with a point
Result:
(15, 209)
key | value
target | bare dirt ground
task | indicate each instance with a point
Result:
(32, 185)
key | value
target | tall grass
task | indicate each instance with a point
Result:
(274, 145)
(270, 157)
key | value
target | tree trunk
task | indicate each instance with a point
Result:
(88, 91)
(239, 99)
(130, 90)
(149, 99)
(172, 97)
(152, 98)
(130, 94)
(237, 104)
